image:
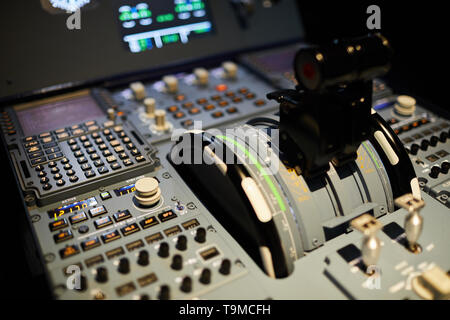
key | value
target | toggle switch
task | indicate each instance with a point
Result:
(371, 246)
(413, 221)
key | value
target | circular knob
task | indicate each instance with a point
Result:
(414, 148)
(163, 250)
(124, 266)
(111, 114)
(434, 173)
(181, 243)
(177, 262)
(200, 235)
(143, 258)
(138, 89)
(205, 276)
(186, 284)
(424, 144)
(150, 104)
(229, 69)
(164, 292)
(102, 275)
(160, 121)
(443, 136)
(405, 105)
(434, 141)
(171, 83)
(148, 192)
(201, 76)
(445, 167)
(225, 267)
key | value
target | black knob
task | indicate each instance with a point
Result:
(225, 267)
(102, 275)
(414, 148)
(445, 167)
(205, 277)
(143, 258)
(434, 173)
(181, 243)
(124, 266)
(163, 250)
(177, 262)
(443, 136)
(424, 144)
(186, 284)
(200, 235)
(434, 141)
(164, 292)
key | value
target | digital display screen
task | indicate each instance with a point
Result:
(146, 25)
(74, 206)
(125, 190)
(58, 114)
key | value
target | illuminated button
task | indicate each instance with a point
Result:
(52, 164)
(221, 87)
(86, 166)
(71, 142)
(187, 123)
(230, 94)
(223, 103)
(202, 101)
(127, 162)
(166, 216)
(42, 174)
(30, 138)
(179, 115)
(135, 152)
(105, 195)
(90, 150)
(140, 158)
(69, 251)
(39, 168)
(180, 97)
(194, 111)
(216, 97)
(94, 212)
(114, 143)
(103, 170)
(232, 110)
(90, 243)
(63, 236)
(392, 121)
(188, 105)
(73, 179)
(60, 130)
(47, 186)
(243, 90)
(58, 224)
(130, 229)
(149, 222)
(122, 215)
(102, 222)
(217, 114)
(60, 182)
(78, 154)
(98, 141)
(250, 96)
(83, 139)
(209, 107)
(110, 236)
(237, 100)
(31, 144)
(38, 160)
(55, 156)
(45, 134)
(57, 176)
(35, 154)
(54, 170)
(77, 218)
(75, 126)
(67, 166)
(98, 163)
(107, 153)
(33, 149)
(260, 103)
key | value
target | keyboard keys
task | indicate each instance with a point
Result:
(63, 236)
(97, 211)
(102, 222)
(58, 224)
(69, 251)
(77, 218)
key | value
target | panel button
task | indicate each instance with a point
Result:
(149, 222)
(77, 218)
(105, 195)
(122, 215)
(166, 216)
(90, 243)
(69, 251)
(110, 236)
(62, 236)
(102, 222)
(58, 224)
(130, 229)
(217, 114)
(89, 174)
(97, 211)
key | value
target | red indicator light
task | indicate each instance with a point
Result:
(309, 71)
(221, 87)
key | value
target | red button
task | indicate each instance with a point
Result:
(221, 87)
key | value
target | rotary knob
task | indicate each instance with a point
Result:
(405, 105)
(201, 76)
(148, 192)
(229, 70)
(171, 83)
(150, 104)
(160, 121)
(138, 89)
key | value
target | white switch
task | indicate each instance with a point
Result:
(138, 89)
(171, 83)
(201, 76)
(229, 69)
